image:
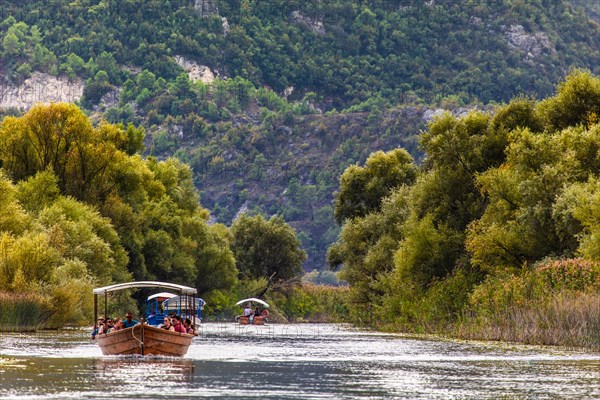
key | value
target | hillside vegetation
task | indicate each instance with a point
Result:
(344, 52)
(480, 222)
(265, 136)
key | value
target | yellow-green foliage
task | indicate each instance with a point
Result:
(23, 311)
(577, 102)
(555, 302)
(496, 194)
(434, 309)
(316, 303)
(84, 210)
(220, 304)
(13, 218)
(66, 249)
(578, 208)
(71, 293)
(539, 284)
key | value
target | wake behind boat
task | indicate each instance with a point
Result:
(144, 339)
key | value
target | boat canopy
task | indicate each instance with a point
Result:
(252, 300)
(174, 303)
(161, 295)
(146, 284)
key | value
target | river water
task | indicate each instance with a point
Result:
(295, 362)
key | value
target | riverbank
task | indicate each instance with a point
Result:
(572, 321)
(555, 302)
(22, 312)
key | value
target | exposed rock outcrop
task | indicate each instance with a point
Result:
(40, 88)
(315, 25)
(195, 71)
(225, 25)
(206, 8)
(431, 114)
(532, 44)
(110, 99)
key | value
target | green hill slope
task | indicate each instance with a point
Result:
(264, 135)
(346, 52)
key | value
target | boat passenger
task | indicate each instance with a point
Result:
(177, 324)
(128, 322)
(117, 326)
(105, 327)
(187, 324)
(97, 327)
(247, 311)
(167, 325)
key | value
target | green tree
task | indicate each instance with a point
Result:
(62, 138)
(12, 46)
(74, 66)
(265, 248)
(577, 102)
(363, 188)
(365, 251)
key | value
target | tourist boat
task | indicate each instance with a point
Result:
(143, 338)
(255, 320)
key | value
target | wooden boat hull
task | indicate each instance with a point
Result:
(246, 321)
(147, 341)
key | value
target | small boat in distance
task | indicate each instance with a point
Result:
(145, 339)
(253, 319)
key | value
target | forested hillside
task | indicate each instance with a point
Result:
(345, 52)
(301, 90)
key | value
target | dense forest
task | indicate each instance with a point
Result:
(498, 230)
(346, 53)
(302, 89)
(317, 122)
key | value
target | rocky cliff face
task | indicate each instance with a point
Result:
(206, 8)
(532, 44)
(39, 88)
(315, 25)
(195, 72)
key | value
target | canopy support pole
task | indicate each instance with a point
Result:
(95, 311)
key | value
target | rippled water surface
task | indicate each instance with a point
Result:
(294, 362)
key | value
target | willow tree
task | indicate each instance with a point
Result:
(266, 248)
(62, 138)
(56, 248)
(371, 204)
(161, 230)
(362, 189)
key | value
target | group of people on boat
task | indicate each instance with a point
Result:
(175, 323)
(108, 325)
(251, 314)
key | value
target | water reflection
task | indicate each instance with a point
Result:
(141, 374)
(294, 361)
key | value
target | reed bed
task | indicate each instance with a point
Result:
(22, 312)
(557, 302)
(563, 320)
